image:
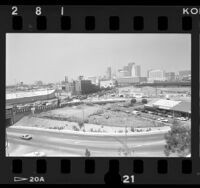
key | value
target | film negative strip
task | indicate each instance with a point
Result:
(99, 94)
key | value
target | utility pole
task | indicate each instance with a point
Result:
(83, 113)
(126, 147)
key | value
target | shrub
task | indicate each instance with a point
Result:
(144, 101)
(80, 124)
(86, 121)
(148, 129)
(132, 129)
(87, 153)
(98, 112)
(133, 101)
(75, 128)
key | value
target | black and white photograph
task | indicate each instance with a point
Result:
(98, 95)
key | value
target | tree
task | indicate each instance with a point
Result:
(144, 101)
(178, 140)
(81, 124)
(87, 153)
(133, 101)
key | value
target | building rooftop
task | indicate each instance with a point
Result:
(28, 94)
(180, 106)
(183, 106)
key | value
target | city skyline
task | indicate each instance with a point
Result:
(106, 50)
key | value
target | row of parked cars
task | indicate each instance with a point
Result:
(162, 119)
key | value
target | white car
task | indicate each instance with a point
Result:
(160, 119)
(182, 119)
(165, 120)
(135, 112)
(35, 154)
(26, 137)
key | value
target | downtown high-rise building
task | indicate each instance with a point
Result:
(156, 75)
(108, 73)
(170, 76)
(130, 70)
(137, 71)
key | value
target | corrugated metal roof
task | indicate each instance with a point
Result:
(163, 103)
(166, 103)
(183, 106)
(180, 106)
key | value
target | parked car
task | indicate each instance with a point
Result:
(182, 119)
(26, 137)
(160, 119)
(48, 104)
(135, 112)
(165, 120)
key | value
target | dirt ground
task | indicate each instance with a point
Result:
(80, 111)
(119, 118)
(109, 114)
(118, 115)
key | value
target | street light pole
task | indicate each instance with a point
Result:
(126, 140)
(83, 113)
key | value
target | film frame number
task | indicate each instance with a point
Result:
(38, 11)
(14, 10)
(62, 11)
(127, 179)
(36, 179)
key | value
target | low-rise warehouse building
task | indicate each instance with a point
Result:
(180, 108)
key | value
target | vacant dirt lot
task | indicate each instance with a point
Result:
(80, 111)
(118, 115)
(119, 118)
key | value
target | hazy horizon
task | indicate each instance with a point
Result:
(51, 57)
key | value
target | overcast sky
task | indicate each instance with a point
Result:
(50, 57)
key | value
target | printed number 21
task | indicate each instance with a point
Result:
(128, 179)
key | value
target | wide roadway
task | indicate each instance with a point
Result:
(64, 144)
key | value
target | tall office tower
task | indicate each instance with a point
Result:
(66, 79)
(137, 70)
(130, 68)
(108, 73)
